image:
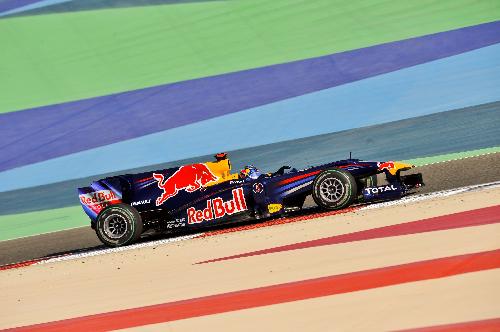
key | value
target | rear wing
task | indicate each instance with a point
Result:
(100, 194)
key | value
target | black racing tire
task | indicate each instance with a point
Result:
(118, 225)
(334, 189)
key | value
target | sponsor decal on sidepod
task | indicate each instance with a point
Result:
(146, 201)
(179, 222)
(217, 208)
(189, 178)
(258, 188)
(273, 208)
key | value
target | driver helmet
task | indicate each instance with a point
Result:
(250, 172)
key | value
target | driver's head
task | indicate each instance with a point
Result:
(250, 172)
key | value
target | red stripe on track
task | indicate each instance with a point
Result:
(280, 221)
(211, 233)
(20, 264)
(282, 293)
(487, 325)
(489, 215)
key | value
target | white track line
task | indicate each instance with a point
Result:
(98, 252)
(404, 200)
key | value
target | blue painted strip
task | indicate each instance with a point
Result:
(52, 131)
(18, 6)
(401, 140)
(464, 80)
(12, 4)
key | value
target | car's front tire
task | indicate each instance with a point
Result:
(334, 189)
(118, 225)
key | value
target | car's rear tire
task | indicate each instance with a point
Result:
(118, 225)
(334, 189)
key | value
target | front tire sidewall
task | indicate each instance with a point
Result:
(133, 224)
(348, 183)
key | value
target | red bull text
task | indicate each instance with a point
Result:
(189, 178)
(98, 200)
(217, 208)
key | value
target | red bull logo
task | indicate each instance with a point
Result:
(98, 197)
(388, 165)
(189, 178)
(98, 200)
(217, 208)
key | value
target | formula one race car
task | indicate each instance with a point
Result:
(123, 207)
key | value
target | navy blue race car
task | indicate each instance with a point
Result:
(196, 196)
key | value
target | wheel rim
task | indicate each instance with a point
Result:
(115, 226)
(331, 190)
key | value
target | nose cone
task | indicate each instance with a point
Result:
(399, 166)
(394, 166)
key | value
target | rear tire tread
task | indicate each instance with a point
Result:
(133, 219)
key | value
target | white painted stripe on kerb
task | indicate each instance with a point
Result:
(99, 252)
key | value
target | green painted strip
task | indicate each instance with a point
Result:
(452, 156)
(34, 223)
(48, 59)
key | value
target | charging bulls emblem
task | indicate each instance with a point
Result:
(388, 165)
(189, 178)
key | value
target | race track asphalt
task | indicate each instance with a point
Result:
(439, 176)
